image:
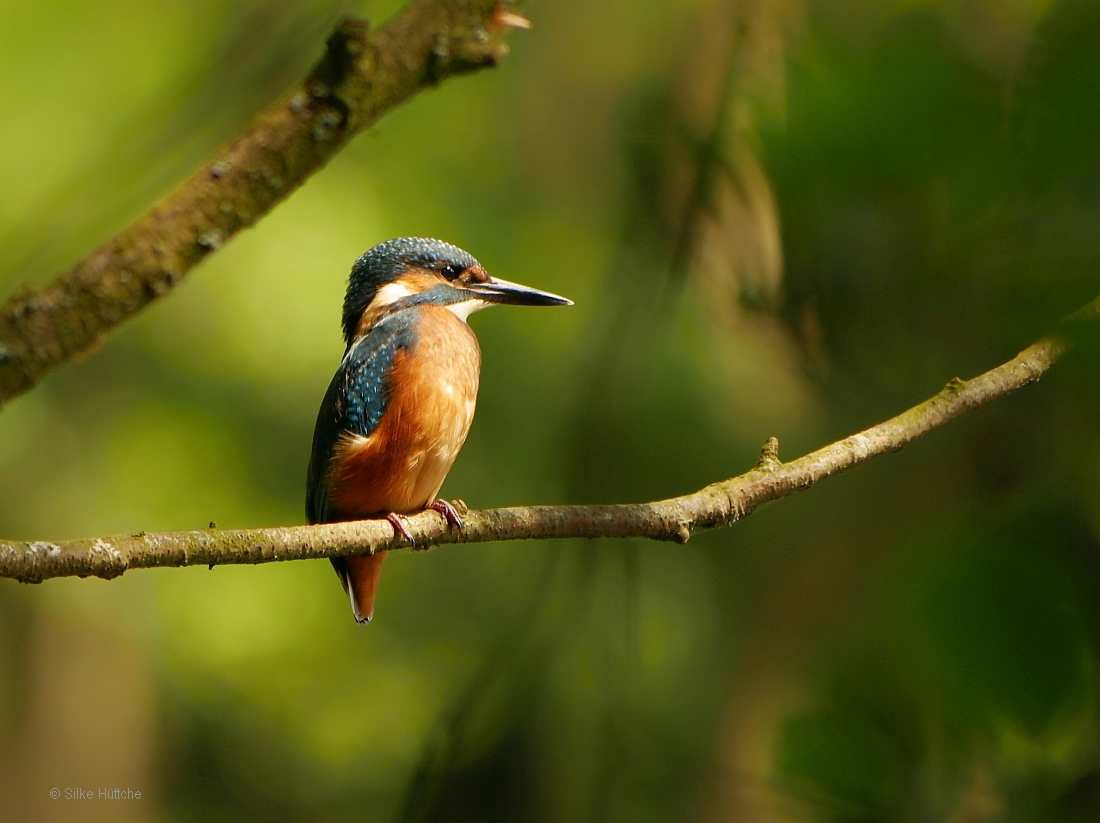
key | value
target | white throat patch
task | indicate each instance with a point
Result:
(467, 307)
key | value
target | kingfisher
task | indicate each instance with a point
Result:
(400, 405)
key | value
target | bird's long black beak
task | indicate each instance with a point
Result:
(501, 291)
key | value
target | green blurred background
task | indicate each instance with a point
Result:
(776, 218)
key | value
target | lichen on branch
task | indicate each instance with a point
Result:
(719, 504)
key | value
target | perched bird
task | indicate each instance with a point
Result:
(401, 403)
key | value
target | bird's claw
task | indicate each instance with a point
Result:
(448, 511)
(400, 527)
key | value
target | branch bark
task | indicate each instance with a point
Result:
(717, 505)
(360, 77)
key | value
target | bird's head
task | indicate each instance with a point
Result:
(410, 271)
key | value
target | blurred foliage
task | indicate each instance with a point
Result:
(775, 218)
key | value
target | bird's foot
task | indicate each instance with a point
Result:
(400, 527)
(448, 511)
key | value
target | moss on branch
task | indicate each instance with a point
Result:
(361, 75)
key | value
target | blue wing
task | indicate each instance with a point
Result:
(355, 401)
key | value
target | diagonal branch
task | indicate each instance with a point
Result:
(360, 77)
(719, 504)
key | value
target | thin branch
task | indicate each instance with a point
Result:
(720, 504)
(360, 77)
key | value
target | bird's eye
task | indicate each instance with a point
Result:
(450, 272)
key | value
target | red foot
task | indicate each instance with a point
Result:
(448, 511)
(400, 528)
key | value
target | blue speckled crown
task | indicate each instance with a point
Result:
(385, 263)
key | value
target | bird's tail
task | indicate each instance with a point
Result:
(359, 576)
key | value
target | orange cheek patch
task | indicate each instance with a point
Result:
(475, 274)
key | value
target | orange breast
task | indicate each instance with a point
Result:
(401, 465)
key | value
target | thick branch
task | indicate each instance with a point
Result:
(360, 77)
(720, 504)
